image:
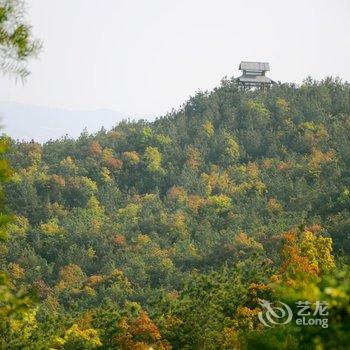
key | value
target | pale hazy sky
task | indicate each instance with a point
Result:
(149, 56)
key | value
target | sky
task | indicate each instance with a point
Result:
(146, 57)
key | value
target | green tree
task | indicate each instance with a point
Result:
(16, 42)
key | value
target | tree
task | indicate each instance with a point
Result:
(5, 173)
(153, 159)
(17, 318)
(16, 42)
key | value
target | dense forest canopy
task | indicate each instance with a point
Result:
(166, 234)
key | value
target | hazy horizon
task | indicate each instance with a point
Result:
(41, 123)
(147, 58)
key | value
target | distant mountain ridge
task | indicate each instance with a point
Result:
(27, 122)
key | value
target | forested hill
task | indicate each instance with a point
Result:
(165, 234)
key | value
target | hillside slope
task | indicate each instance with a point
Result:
(134, 214)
